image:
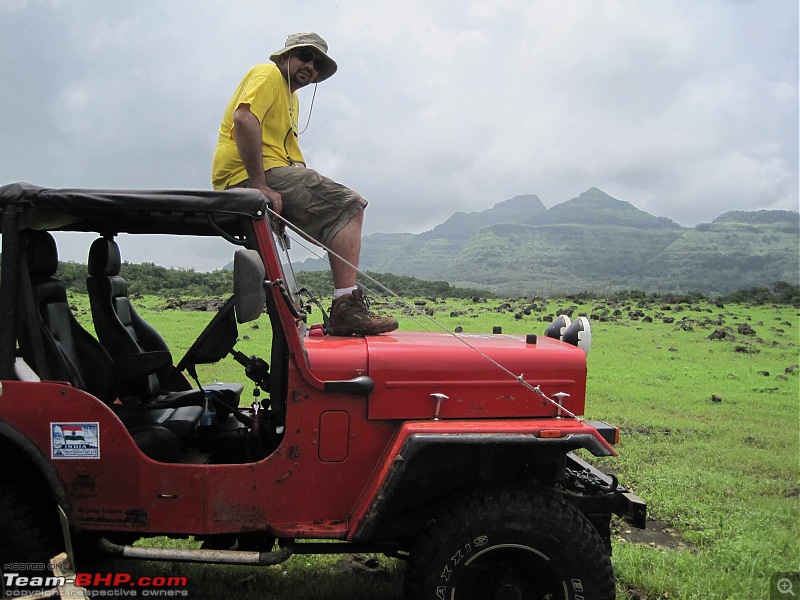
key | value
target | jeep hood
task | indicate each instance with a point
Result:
(408, 368)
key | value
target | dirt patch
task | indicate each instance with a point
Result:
(362, 566)
(657, 534)
(205, 305)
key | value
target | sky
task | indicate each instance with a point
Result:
(686, 109)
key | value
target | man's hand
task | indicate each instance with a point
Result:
(275, 200)
(276, 204)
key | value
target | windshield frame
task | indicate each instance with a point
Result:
(282, 246)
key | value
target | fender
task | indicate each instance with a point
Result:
(45, 468)
(562, 435)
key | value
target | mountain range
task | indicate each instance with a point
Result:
(591, 243)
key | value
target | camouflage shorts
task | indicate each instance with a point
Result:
(316, 204)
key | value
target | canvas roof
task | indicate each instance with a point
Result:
(133, 211)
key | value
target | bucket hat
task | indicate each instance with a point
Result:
(309, 40)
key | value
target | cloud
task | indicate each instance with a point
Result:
(685, 109)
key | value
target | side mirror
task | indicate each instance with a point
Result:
(248, 285)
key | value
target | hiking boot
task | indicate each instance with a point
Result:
(350, 315)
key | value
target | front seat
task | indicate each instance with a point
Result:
(130, 339)
(72, 354)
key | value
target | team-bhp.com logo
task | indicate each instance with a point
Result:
(18, 584)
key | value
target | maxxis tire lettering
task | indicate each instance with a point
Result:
(462, 553)
(524, 539)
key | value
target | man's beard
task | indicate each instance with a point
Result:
(302, 82)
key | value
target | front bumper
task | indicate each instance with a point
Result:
(594, 492)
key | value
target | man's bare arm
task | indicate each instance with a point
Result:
(247, 133)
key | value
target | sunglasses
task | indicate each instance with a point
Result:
(307, 56)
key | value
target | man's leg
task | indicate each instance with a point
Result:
(349, 311)
(333, 215)
(347, 244)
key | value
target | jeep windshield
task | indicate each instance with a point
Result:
(282, 244)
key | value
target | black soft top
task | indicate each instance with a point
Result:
(192, 212)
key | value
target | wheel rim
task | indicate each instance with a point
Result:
(509, 572)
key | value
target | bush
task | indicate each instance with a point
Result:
(781, 292)
(149, 278)
(320, 283)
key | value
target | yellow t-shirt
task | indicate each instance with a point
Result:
(265, 89)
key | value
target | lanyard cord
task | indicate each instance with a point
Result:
(310, 110)
(292, 120)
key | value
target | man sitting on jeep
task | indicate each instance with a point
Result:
(258, 148)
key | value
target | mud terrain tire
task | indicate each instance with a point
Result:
(520, 544)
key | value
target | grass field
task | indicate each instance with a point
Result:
(710, 439)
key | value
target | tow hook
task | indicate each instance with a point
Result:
(592, 482)
(595, 491)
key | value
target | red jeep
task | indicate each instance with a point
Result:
(453, 452)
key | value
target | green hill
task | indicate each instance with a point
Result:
(527, 209)
(737, 250)
(595, 207)
(591, 243)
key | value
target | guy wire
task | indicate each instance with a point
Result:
(520, 378)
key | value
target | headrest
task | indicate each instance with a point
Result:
(104, 259)
(41, 253)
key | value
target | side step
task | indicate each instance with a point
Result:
(230, 557)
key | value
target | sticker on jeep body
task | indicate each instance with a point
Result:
(75, 440)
